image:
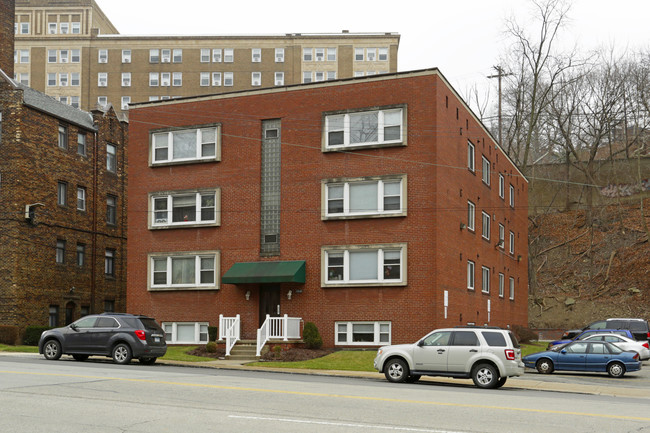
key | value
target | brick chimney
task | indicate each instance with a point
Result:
(7, 18)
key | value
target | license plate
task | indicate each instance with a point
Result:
(156, 340)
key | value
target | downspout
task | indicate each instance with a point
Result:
(93, 258)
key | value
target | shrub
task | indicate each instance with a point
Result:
(523, 334)
(211, 347)
(33, 335)
(311, 336)
(213, 333)
(8, 334)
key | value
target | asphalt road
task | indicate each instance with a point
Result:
(97, 396)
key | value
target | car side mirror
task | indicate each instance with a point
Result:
(563, 351)
(73, 326)
(420, 343)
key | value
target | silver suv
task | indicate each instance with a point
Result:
(488, 355)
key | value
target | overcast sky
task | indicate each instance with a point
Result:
(463, 38)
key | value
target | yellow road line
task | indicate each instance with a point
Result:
(350, 397)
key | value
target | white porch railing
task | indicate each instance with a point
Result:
(284, 327)
(229, 328)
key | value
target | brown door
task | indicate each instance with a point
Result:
(269, 301)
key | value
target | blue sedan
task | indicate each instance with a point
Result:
(598, 356)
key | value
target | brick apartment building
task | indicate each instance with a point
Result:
(378, 208)
(70, 50)
(63, 198)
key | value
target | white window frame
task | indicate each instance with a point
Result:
(340, 123)
(307, 76)
(383, 251)
(511, 288)
(331, 54)
(177, 79)
(168, 260)
(471, 159)
(102, 56)
(24, 28)
(163, 217)
(75, 56)
(307, 54)
(154, 79)
(111, 158)
(502, 236)
(102, 100)
(319, 54)
(64, 28)
(81, 198)
(75, 79)
(471, 215)
(279, 79)
(204, 79)
(511, 247)
(154, 55)
(485, 226)
(502, 186)
(177, 55)
(102, 79)
(328, 186)
(126, 56)
(279, 55)
(512, 196)
(383, 55)
(485, 279)
(502, 283)
(64, 56)
(75, 27)
(347, 329)
(331, 75)
(256, 79)
(51, 79)
(359, 55)
(485, 170)
(216, 78)
(169, 145)
(74, 101)
(52, 28)
(23, 56)
(126, 79)
(165, 79)
(124, 102)
(205, 55)
(201, 335)
(217, 55)
(256, 55)
(228, 55)
(165, 55)
(51, 56)
(228, 79)
(471, 276)
(371, 54)
(63, 79)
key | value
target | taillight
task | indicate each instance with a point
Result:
(646, 345)
(636, 356)
(510, 354)
(140, 334)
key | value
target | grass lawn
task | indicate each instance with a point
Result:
(349, 360)
(28, 349)
(179, 353)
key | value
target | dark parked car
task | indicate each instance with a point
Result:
(638, 327)
(117, 335)
(585, 356)
(554, 345)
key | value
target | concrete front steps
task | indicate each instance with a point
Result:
(244, 350)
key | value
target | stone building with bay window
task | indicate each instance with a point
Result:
(378, 208)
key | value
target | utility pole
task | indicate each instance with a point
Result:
(500, 73)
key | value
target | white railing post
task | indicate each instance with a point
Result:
(221, 326)
(232, 333)
(285, 327)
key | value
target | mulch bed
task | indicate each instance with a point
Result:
(294, 354)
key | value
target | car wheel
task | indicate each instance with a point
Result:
(485, 376)
(545, 366)
(122, 353)
(396, 370)
(147, 361)
(616, 369)
(52, 350)
(80, 357)
(413, 378)
(501, 382)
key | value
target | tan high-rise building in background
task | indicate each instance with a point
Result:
(71, 51)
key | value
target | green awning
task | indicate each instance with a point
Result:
(266, 272)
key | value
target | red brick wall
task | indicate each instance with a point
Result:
(7, 18)
(433, 160)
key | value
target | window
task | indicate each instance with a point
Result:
(485, 173)
(75, 56)
(383, 54)
(319, 76)
(22, 78)
(228, 55)
(256, 55)
(331, 75)
(154, 56)
(63, 137)
(76, 28)
(371, 54)
(102, 79)
(126, 79)
(60, 251)
(102, 100)
(511, 247)
(364, 265)
(485, 280)
(364, 196)
(216, 55)
(53, 320)
(279, 79)
(165, 55)
(358, 54)
(511, 286)
(76, 79)
(81, 144)
(63, 99)
(111, 209)
(320, 54)
(51, 28)
(177, 79)
(256, 78)
(51, 56)
(24, 56)
(365, 128)
(502, 186)
(111, 158)
(24, 28)
(103, 56)
(470, 156)
(502, 236)
(153, 98)
(125, 101)
(307, 54)
(363, 333)
(81, 198)
(228, 79)
(185, 145)
(184, 271)
(205, 55)
(81, 255)
(204, 79)
(470, 275)
(109, 306)
(331, 54)
(306, 77)
(501, 285)
(279, 55)
(216, 78)
(471, 209)
(486, 226)
(65, 28)
(199, 207)
(63, 79)
(186, 332)
(165, 79)
(63, 56)
(512, 196)
(51, 79)
(74, 101)
(109, 263)
(153, 79)
(177, 56)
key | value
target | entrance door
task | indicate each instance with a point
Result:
(69, 312)
(269, 301)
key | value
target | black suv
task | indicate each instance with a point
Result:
(638, 327)
(118, 335)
